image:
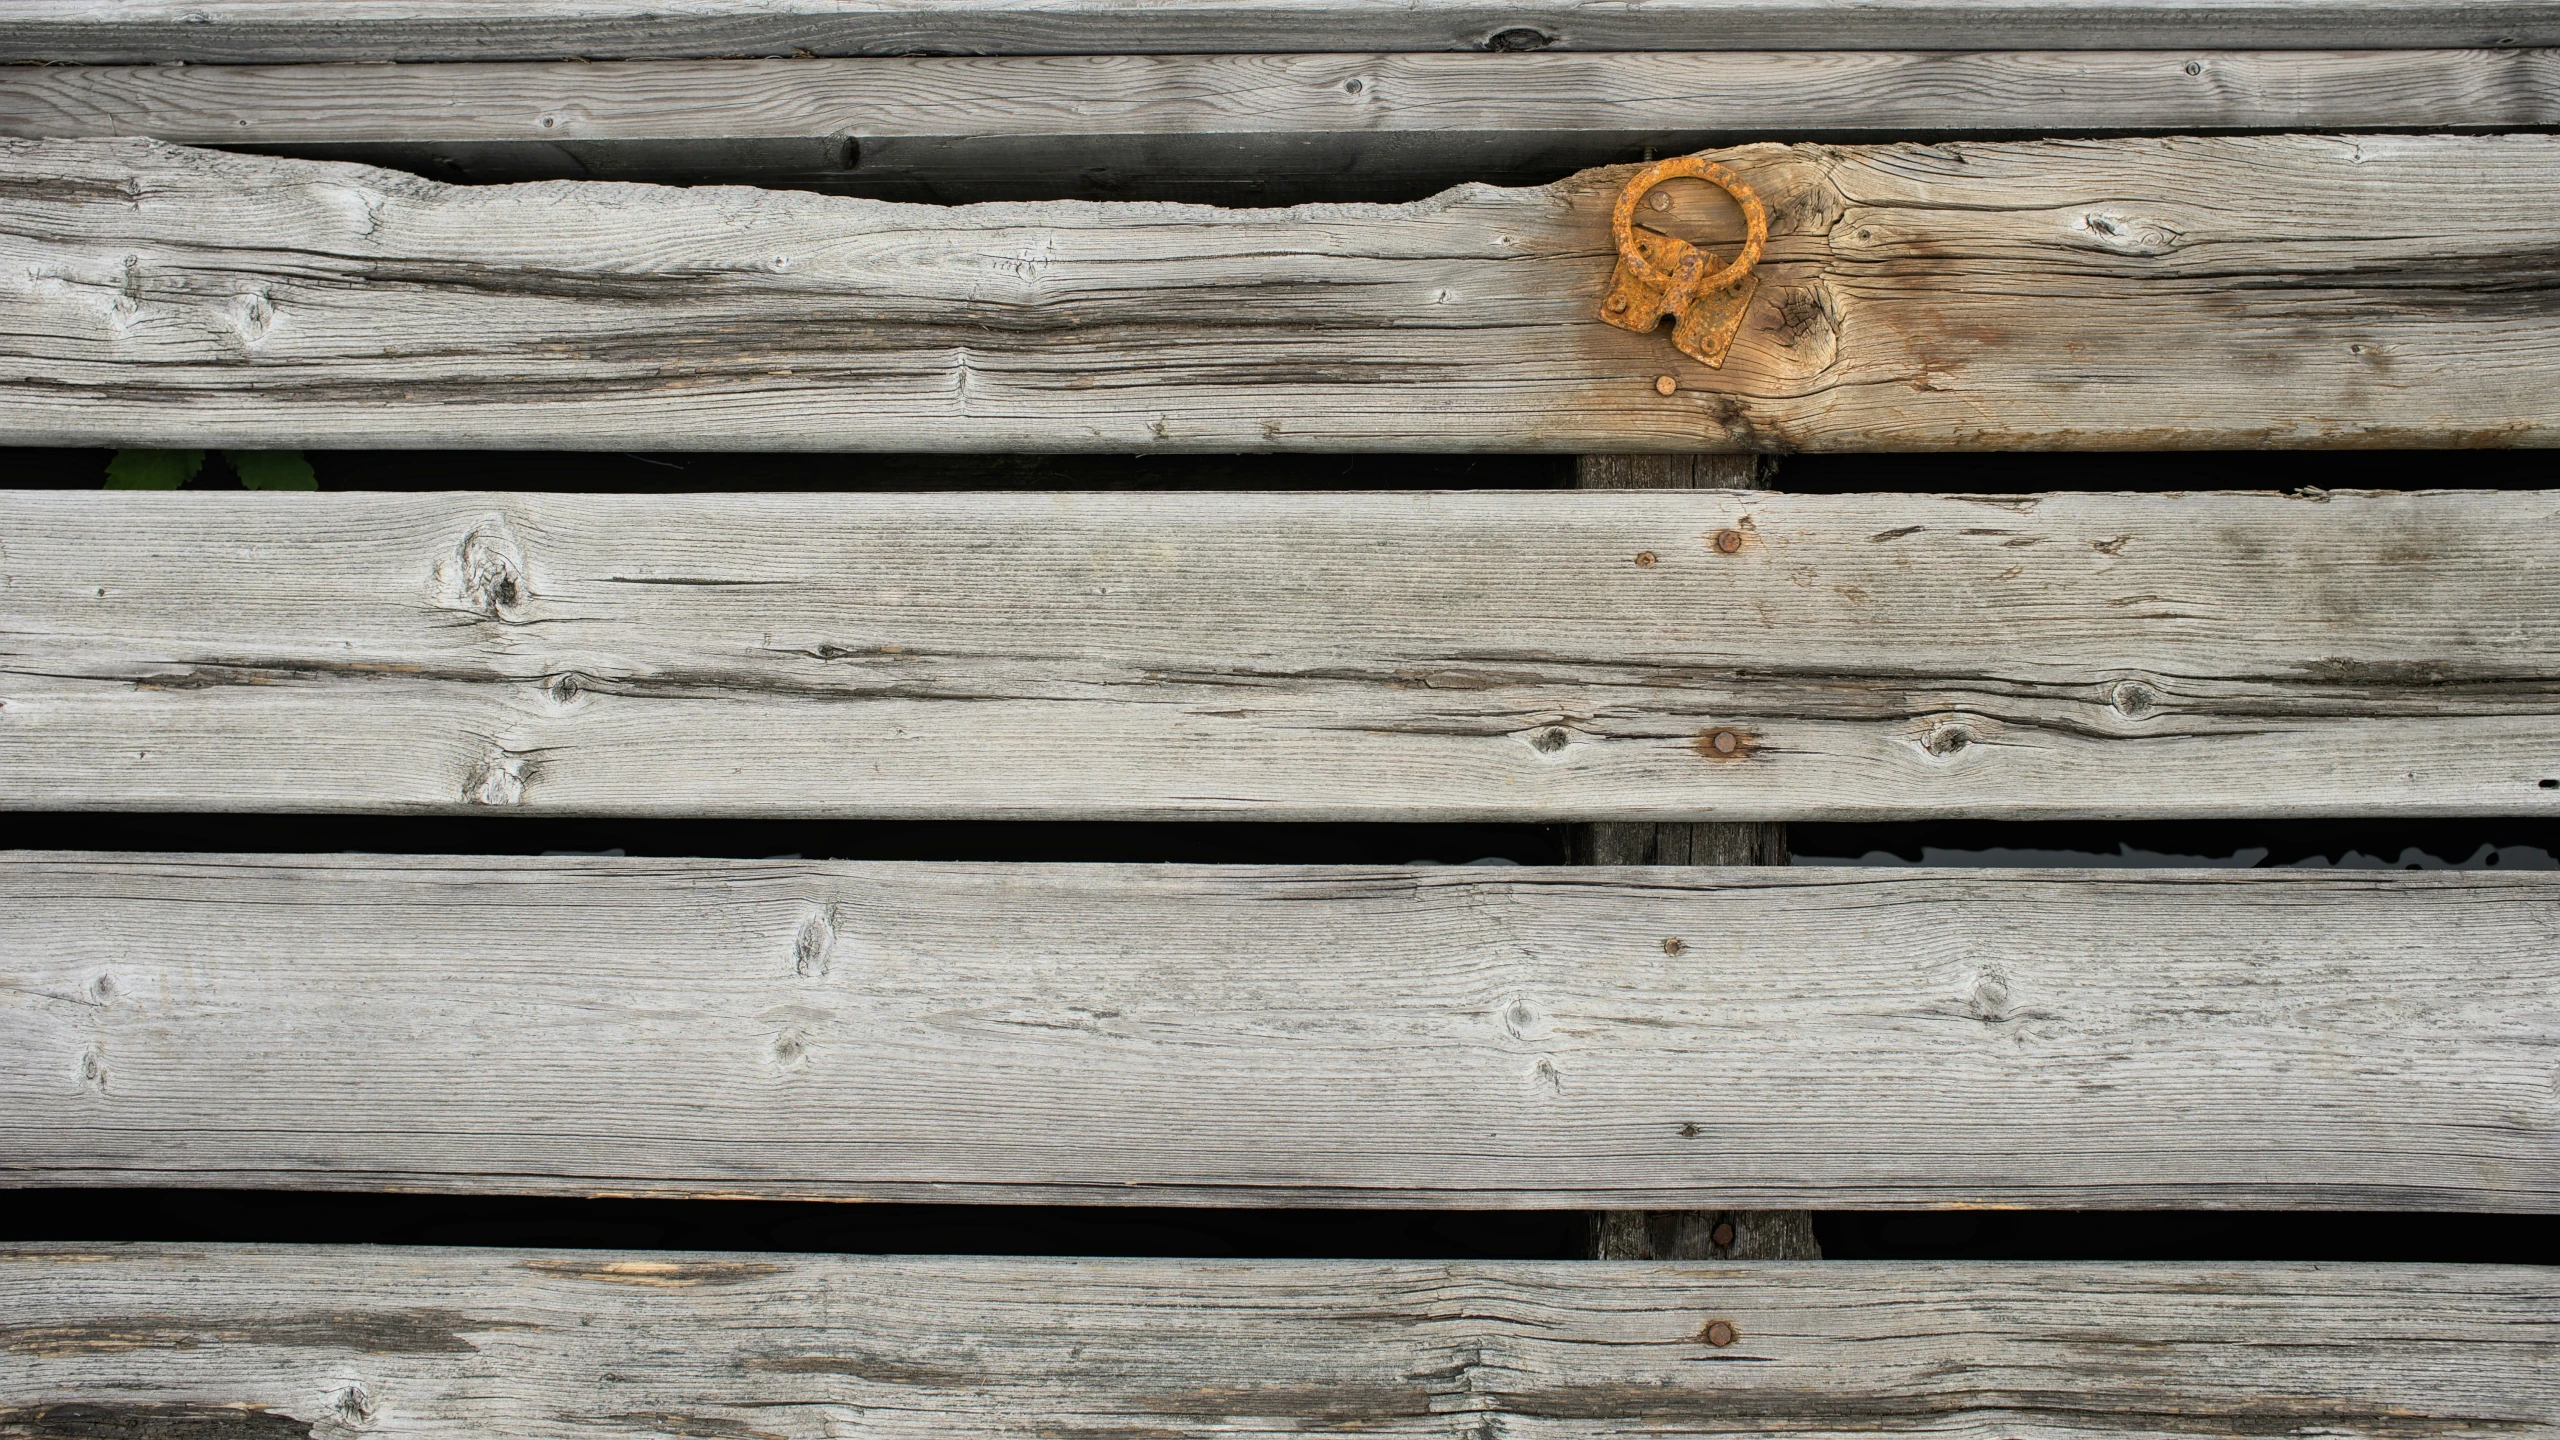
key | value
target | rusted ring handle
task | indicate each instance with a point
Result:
(1696, 167)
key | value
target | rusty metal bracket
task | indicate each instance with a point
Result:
(1663, 275)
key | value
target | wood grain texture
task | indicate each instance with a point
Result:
(1346, 656)
(1567, 1037)
(282, 1341)
(2166, 293)
(248, 31)
(1102, 126)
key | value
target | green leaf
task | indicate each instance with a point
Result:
(272, 469)
(153, 469)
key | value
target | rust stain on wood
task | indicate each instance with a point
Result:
(1725, 744)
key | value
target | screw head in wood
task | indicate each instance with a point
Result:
(1724, 742)
(1666, 385)
(1719, 1333)
(1644, 559)
(1722, 1235)
(1728, 541)
(1674, 945)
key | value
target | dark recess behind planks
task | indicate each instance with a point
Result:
(289, 1217)
(245, 1215)
(2003, 473)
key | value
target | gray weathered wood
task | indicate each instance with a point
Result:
(242, 31)
(275, 1342)
(1686, 1234)
(1672, 1038)
(1370, 656)
(2159, 293)
(1101, 126)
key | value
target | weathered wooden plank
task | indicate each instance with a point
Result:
(1350, 656)
(279, 1341)
(250, 31)
(1099, 126)
(2229, 292)
(1576, 1037)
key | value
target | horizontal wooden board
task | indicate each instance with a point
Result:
(2144, 294)
(1585, 1037)
(1288, 126)
(248, 31)
(275, 1342)
(1347, 656)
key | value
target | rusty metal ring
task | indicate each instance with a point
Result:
(1755, 217)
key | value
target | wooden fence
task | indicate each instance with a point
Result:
(218, 228)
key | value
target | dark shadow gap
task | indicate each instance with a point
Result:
(601, 472)
(301, 1217)
(1243, 170)
(1198, 842)
(2522, 843)
(588, 472)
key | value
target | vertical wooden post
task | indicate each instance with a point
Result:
(1686, 1234)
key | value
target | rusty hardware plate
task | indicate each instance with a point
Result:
(1661, 275)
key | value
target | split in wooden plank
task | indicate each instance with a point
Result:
(2145, 294)
(280, 1341)
(1284, 126)
(252, 31)
(1566, 1037)
(1347, 656)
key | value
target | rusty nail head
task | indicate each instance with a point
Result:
(1674, 945)
(1728, 541)
(1644, 558)
(1723, 1236)
(1719, 1333)
(1666, 385)
(1724, 741)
